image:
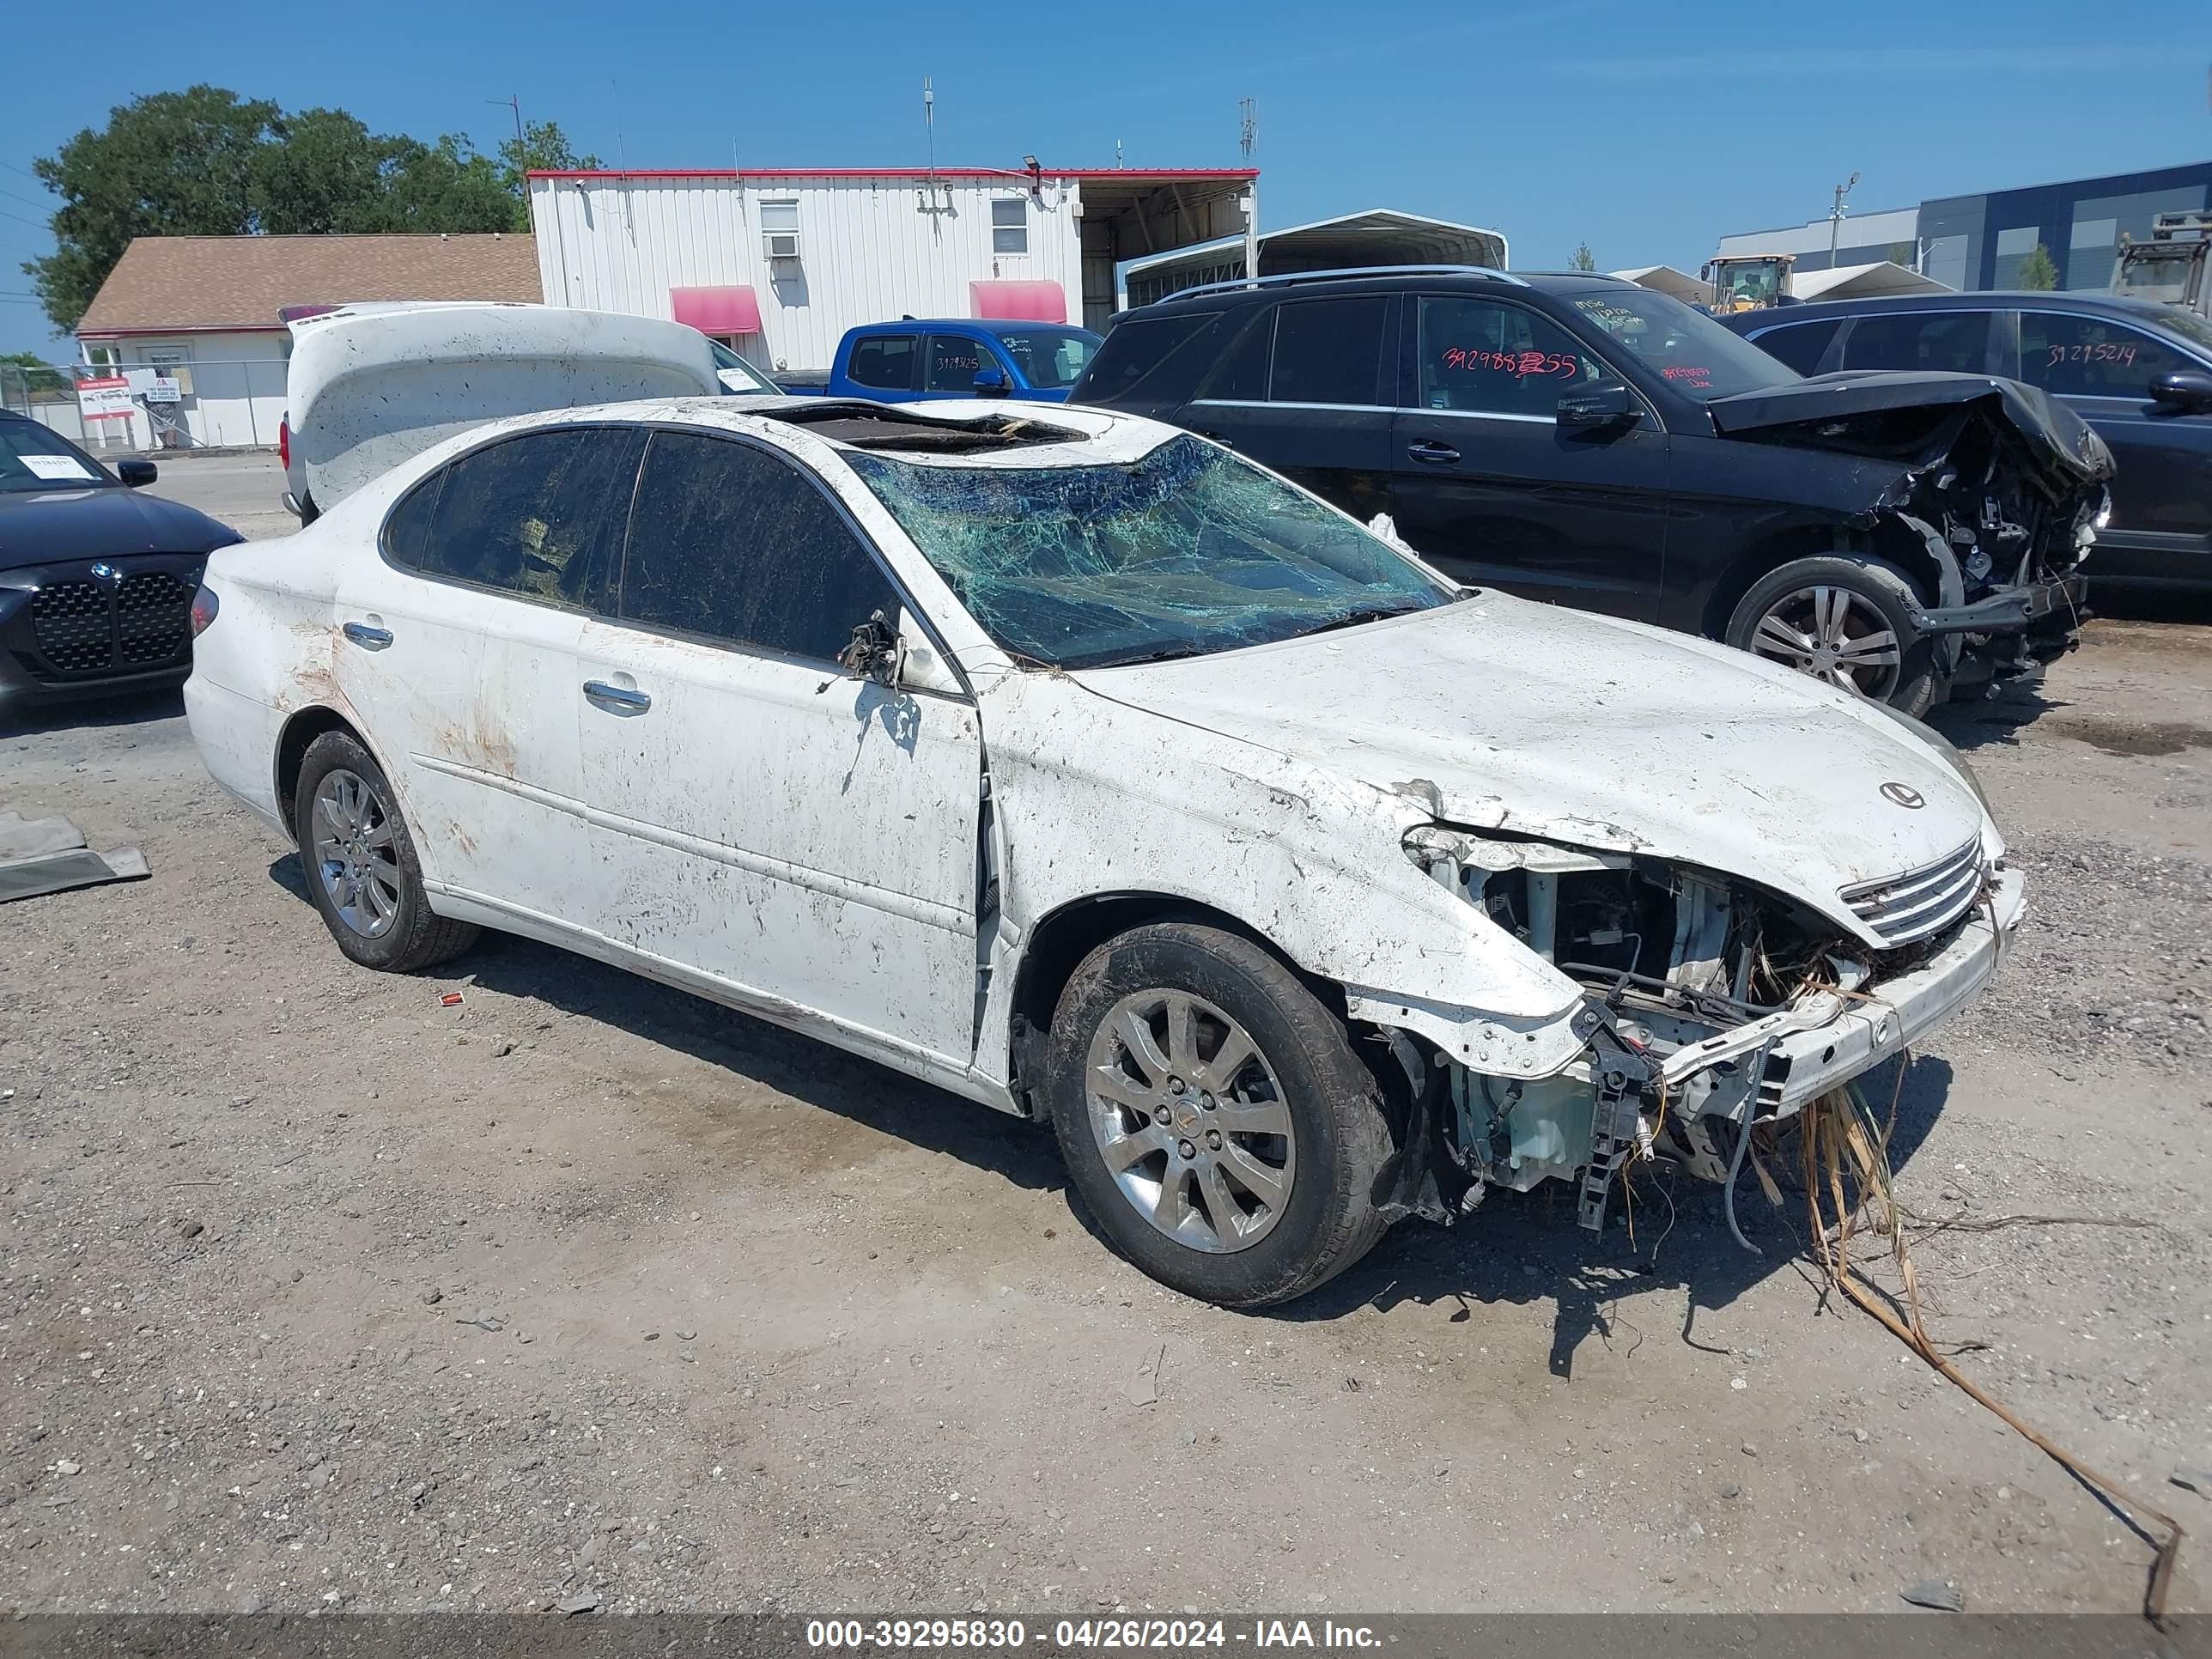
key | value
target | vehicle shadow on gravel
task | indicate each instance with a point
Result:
(133, 709)
(1524, 1247)
(805, 1070)
(1996, 717)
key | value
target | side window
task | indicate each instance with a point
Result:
(1010, 224)
(1328, 351)
(1800, 345)
(1494, 359)
(1134, 353)
(888, 361)
(536, 515)
(2089, 357)
(1242, 373)
(1950, 340)
(407, 529)
(730, 542)
(954, 363)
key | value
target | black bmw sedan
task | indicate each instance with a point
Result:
(96, 579)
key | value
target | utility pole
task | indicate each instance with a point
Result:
(514, 103)
(1836, 216)
(1248, 123)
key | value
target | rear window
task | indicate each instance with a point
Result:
(1956, 341)
(888, 362)
(1130, 363)
(1328, 351)
(1800, 345)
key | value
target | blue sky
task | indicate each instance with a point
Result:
(1647, 128)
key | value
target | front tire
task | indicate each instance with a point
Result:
(362, 872)
(1844, 620)
(1216, 1124)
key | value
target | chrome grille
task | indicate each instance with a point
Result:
(1909, 907)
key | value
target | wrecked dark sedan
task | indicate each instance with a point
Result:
(1578, 439)
(96, 579)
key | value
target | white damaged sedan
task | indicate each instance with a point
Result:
(1081, 768)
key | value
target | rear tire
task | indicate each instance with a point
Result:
(1243, 1179)
(362, 872)
(1845, 621)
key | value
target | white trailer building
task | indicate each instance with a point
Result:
(778, 264)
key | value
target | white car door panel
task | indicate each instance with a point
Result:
(472, 684)
(806, 838)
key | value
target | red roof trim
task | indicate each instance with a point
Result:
(1168, 174)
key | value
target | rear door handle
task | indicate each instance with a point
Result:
(622, 696)
(373, 639)
(1435, 453)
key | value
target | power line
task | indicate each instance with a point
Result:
(26, 200)
(20, 220)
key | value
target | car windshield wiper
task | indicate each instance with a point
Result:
(1361, 618)
(1164, 653)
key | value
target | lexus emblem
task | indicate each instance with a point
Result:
(108, 574)
(1904, 795)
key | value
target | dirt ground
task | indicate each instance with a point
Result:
(316, 1292)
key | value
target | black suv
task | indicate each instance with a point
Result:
(1579, 439)
(2140, 373)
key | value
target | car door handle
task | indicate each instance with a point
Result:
(372, 639)
(1222, 438)
(1435, 453)
(622, 696)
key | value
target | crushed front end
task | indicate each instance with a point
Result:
(1709, 1005)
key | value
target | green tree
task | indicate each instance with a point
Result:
(542, 148)
(1583, 258)
(167, 164)
(445, 187)
(2037, 271)
(322, 171)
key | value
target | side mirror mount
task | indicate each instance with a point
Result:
(1601, 403)
(2181, 388)
(992, 383)
(873, 651)
(135, 471)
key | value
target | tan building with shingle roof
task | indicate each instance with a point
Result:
(204, 310)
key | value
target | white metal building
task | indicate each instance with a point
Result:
(779, 264)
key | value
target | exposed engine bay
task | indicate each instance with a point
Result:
(1691, 979)
(1994, 491)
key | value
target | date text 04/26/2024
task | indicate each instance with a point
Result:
(1085, 1635)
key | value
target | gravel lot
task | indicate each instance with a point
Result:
(315, 1291)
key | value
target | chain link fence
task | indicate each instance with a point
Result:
(133, 408)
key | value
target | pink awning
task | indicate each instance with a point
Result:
(717, 310)
(1024, 302)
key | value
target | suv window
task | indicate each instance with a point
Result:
(2091, 357)
(737, 545)
(1495, 359)
(1135, 352)
(1800, 345)
(535, 515)
(1328, 351)
(888, 361)
(1948, 340)
(954, 363)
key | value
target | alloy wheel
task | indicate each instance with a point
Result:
(1834, 635)
(356, 857)
(1190, 1121)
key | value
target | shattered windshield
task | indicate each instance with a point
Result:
(1186, 551)
(1689, 350)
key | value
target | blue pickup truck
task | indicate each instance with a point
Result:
(913, 360)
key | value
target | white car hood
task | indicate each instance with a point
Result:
(1499, 713)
